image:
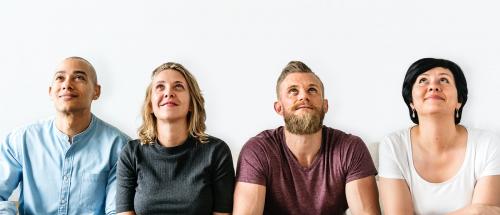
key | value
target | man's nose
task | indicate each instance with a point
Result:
(303, 95)
(67, 85)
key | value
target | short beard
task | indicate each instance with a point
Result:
(308, 123)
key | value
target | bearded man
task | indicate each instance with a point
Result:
(304, 167)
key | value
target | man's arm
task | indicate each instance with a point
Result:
(485, 199)
(111, 192)
(249, 199)
(362, 196)
(396, 197)
(11, 173)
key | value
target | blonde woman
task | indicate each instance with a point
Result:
(439, 166)
(174, 167)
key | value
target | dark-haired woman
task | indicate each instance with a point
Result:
(439, 166)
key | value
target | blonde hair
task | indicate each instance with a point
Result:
(196, 116)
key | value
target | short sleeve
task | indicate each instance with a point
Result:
(126, 179)
(223, 179)
(388, 166)
(358, 160)
(492, 155)
(252, 163)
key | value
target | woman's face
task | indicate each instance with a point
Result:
(434, 92)
(170, 96)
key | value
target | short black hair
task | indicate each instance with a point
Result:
(426, 64)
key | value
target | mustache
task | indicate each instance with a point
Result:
(298, 104)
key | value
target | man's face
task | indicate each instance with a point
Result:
(73, 87)
(301, 103)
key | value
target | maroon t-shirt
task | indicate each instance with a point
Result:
(292, 189)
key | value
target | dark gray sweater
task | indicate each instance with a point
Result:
(192, 178)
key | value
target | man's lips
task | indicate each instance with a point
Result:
(303, 107)
(67, 96)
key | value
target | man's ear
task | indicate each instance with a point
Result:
(278, 107)
(325, 105)
(97, 91)
(50, 91)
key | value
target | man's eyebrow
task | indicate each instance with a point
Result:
(80, 72)
(313, 85)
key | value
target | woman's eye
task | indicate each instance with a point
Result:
(179, 86)
(422, 80)
(160, 87)
(444, 80)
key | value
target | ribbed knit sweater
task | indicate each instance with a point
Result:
(192, 178)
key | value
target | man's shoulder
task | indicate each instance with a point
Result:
(38, 126)
(109, 130)
(339, 137)
(267, 137)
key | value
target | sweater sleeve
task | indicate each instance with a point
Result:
(223, 184)
(126, 178)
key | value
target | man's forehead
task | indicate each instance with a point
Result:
(72, 66)
(300, 79)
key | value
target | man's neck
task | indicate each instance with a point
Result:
(72, 124)
(304, 147)
(172, 134)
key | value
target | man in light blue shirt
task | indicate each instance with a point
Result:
(65, 164)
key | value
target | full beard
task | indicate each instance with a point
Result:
(308, 123)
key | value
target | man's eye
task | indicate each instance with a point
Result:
(80, 77)
(59, 78)
(293, 91)
(313, 90)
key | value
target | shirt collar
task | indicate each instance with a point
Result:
(78, 136)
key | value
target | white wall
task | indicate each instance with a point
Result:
(236, 49)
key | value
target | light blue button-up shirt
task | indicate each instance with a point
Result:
(57, 175)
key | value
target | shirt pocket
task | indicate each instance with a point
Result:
(93, 191)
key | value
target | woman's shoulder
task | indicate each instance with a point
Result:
(397, 138)
(213, 142)
(482, 138)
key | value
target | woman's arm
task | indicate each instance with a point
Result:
(485, 199)
(395, 196)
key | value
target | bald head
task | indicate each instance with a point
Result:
(90, 69)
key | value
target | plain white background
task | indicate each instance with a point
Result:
(236, 49)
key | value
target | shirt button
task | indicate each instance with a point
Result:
(63, 201)
(65, 177)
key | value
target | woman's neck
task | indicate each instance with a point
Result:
(172, 134)
(436, 134)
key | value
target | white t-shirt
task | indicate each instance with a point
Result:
(482, 158)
